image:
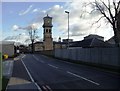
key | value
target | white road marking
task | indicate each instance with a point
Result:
(27, 71)
(83, 78)
(23, 56)
(31, 76)
(44, 88)
(49, 88)
(38, 86)
(42, 61)
(38, 59)
(52, 66)
(35, 57)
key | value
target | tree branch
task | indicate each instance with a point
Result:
(97, 20)
(118, 6)
(103, 12)
(105, 4)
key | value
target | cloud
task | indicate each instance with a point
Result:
(23, 12)
(22, 38)
(35, 10)
(81, 20)
(34, 26)
(79, 26)
(15, 27)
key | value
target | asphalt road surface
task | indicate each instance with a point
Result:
(49, 73)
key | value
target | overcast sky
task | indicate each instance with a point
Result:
(17, 16)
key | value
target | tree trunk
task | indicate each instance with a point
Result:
(32, 46)
(116, 36)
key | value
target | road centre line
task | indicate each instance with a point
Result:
(38, 59)
(72, 73)
(42, 61)
(52, 66)
(35, 57)
(31, 76)
(83, 78)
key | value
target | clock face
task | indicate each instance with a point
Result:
(48, 21)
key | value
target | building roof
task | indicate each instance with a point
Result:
(7, 42)
(90, 43)
(91, 36)
(59, 42)
(47, 16)
(38, 42)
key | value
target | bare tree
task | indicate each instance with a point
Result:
(110, 10)
(33, 35)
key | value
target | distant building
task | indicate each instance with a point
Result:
(66, 40)
(93, 36)
(91, 41)
(7, 48)
(38, 46)
(23, 48)
(59, 45)
(48, 43)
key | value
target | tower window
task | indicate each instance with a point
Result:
(46, 30)
(49, 30)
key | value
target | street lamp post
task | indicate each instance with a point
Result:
(68, 27)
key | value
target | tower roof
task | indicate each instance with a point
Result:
(47, 16)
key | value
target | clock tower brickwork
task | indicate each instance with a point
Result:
(47, 28)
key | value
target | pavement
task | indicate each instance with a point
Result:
(7, 68)
(19, 77)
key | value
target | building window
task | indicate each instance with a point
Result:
(49, 30)
(46, 30)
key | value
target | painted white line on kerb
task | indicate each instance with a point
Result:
(31, 76)
(52, 66)
(83, 78)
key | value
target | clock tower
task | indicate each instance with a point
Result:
(47, 28)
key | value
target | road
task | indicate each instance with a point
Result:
(50, 73)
